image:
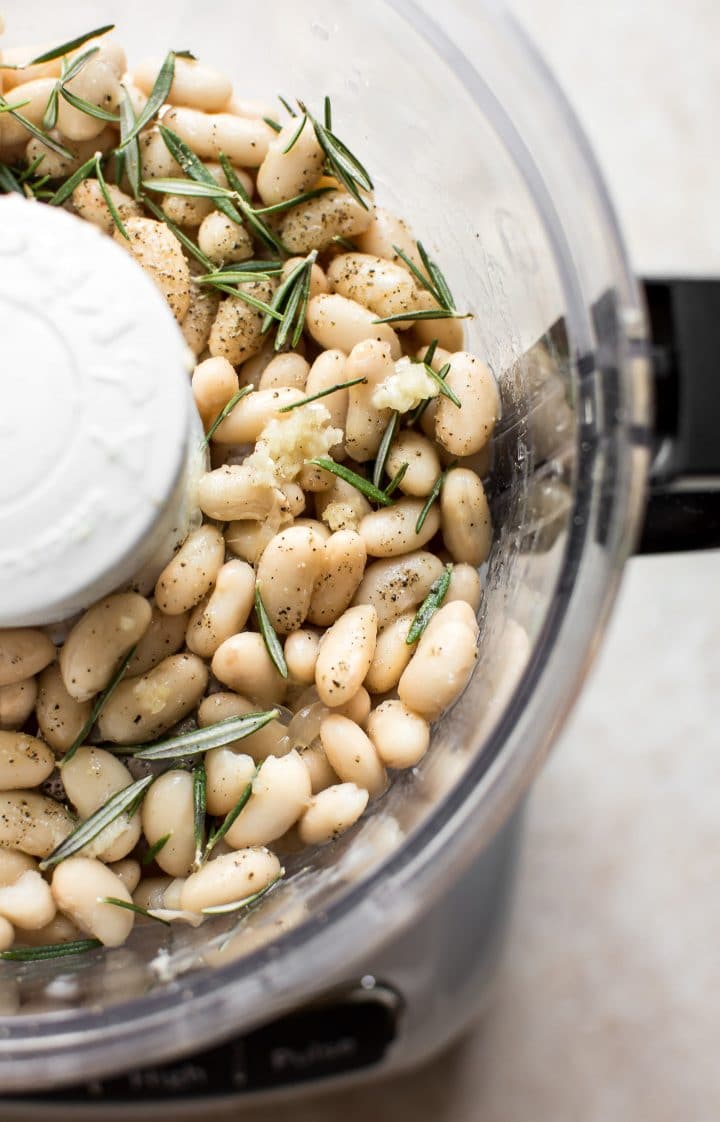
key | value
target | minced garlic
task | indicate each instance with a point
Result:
(406, 388)
(298, 436)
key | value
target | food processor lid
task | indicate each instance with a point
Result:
(95, 412)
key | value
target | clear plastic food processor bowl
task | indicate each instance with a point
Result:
(472, 142)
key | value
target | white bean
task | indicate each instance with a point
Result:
(150, 893)
(20, 57)
(419, 453)
(243, 140)
(365, 423)
(160, 254)
(89, 202)
(79, 884)
(251, 414)
(268, 741)
(465, 431)
(394, 585)
(377, 284)
(391, 531)
(59, 715)
(243, 664)
(100, 640)
(200, 316)
(23, 653)
(223, 240)
(144, 708)
(156, 160)
(27, 901)
(392, 654)
(331, 812)
(226, 610)
(384, 232)
(328, 370)
(35, 93)
(357, 708)
(343, 564)
(228, 773)
(248, 538)
(321, 774)
(194, 84)
(236, 333)
(337, 323)
(465, 584)
(443, 661)
(341, 506)
(314, 224)
(90, 778)
(7, 936)
(280, 792)
(346, 651)
(128, 871)
(164, 636)
(236, 491)
(450, 333)
(168, 809)
(32, 822)
(352, 754)
(187, 212)
(214, 382)
(230, 877)
(400, 736)
(99, 85)
(466, 521)
(192, 572)
(24, 761)
(60, 167)
(282, 174)
(301, 651)
(285, 370)
(17, 702)
(286, 575)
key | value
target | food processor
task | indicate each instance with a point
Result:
(376, 953)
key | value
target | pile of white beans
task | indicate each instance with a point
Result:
(340, 580)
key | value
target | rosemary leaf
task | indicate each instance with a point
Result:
(439, 378)
(387, 439)
(88, 107)
(345, 243)
(202, 740)
(321, 393)
(342, 164)
(429, 606)
(432, 497)
(236, 905)
(50, 115)
(296, 135)
(131, 145)
(52, 950)
(124, 801)
(195, 169)
(114, 213)
(156, 100)
(66, 189)
(363, 485)
(181, 236)
(273, 124)
(152, 852)
(232, 276)
(71, 70)
(71, 45)
(442, 292)
(295, 201)
(39, 134)
(100, 703)
(289, 302)
(31, 169)
(430, 353)
(186, 54)
(327, 112)
(131, 907)
(273, 644)
(424, 313)
(286, 105)
(261, 268)
(199, 809)
(396, 480)
(192, 187)
(8, 180)
(217, 835)
(234, 180)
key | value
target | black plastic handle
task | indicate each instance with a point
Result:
(683, 510)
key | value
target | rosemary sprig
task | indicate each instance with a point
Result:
(226, 411)
(342, 164)
(396, 480)
(290, 302)
(157, 98)
(439, 378)
(195, 170)
(152, 852)
(363, 485)
(432, 497)
(125, 801)
(296, 135)
(131, 907)
(388, 436)
(8, 180)
(131, 145)
(71, 70)
(260, 229)
(202, 740)
(199, 809)
(236, 905)
(217, 835)
(71, 45)
(88, 107)
(431, 603)
(52, 950)
(181, 236)
(66, 189)
(39, 134)
(272, 643)
(286, 105)
(100, 703)
(274, 125)
(321, 393)
(114, 213)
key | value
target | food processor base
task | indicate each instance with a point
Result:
(403, 1006)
